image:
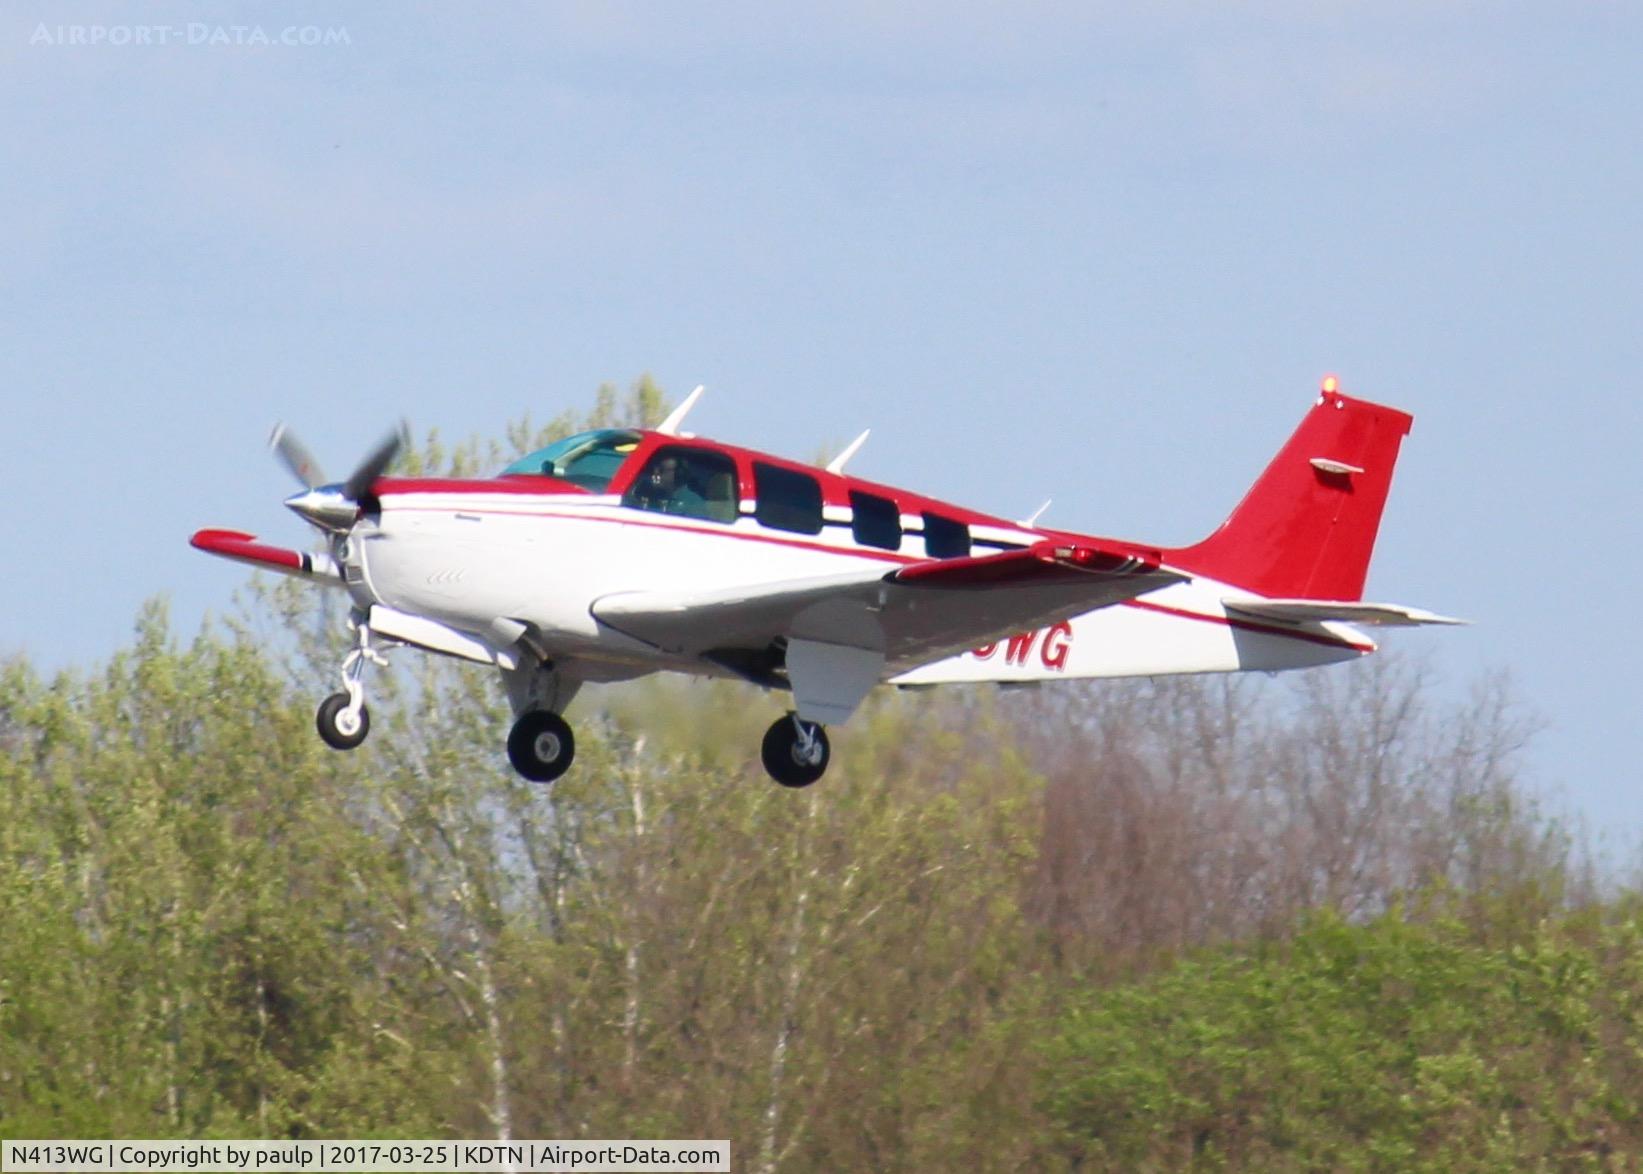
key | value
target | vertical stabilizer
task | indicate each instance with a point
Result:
(1306, 528)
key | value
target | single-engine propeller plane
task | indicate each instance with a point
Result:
(621, 552)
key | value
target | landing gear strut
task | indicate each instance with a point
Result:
(541, 745)
(342, 720)
(795, 752)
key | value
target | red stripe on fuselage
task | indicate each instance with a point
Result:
(517, 484)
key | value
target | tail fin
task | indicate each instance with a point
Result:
(1306, 528)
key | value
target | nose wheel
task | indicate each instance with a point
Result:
(795, 753)
(341, 724)
(342, 719)
(541, 745)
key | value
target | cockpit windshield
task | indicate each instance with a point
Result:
(588, 459)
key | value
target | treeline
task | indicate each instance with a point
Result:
(1314, 922)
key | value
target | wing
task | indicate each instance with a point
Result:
(244, 548)
(832, 638)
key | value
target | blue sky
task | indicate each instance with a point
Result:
(1100, 253)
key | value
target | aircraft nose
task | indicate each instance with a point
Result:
(327, 507)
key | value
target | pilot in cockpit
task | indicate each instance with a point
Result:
(687, 485)
(668, 490)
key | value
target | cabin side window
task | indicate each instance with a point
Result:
(945, 538)
(686, 482)
(786, 499)
(875, 520)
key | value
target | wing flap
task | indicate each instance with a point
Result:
(1043, 562)
(1318, 611)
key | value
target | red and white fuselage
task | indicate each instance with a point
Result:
(463, 553)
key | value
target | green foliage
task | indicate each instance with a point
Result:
(163, 895)
(1397, 1044)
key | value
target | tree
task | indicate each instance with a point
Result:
(1189, 810)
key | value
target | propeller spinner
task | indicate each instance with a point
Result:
(333, 506)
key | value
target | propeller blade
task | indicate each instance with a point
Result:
(362, 478)
(294, 455)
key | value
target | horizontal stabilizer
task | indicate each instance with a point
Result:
(244, 548)
(1315, 611)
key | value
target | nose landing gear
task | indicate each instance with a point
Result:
(795, 752)
(343, 720)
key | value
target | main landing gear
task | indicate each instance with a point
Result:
(795, 752)
(541, 745)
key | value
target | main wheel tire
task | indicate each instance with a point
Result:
(541, 746)
(786, 762)
(341, 729)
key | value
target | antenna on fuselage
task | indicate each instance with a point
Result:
(1029, 522)
(836, 465)
(670, 426)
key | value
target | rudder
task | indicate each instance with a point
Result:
(1306, 528)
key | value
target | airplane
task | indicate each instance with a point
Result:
(620, 552)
